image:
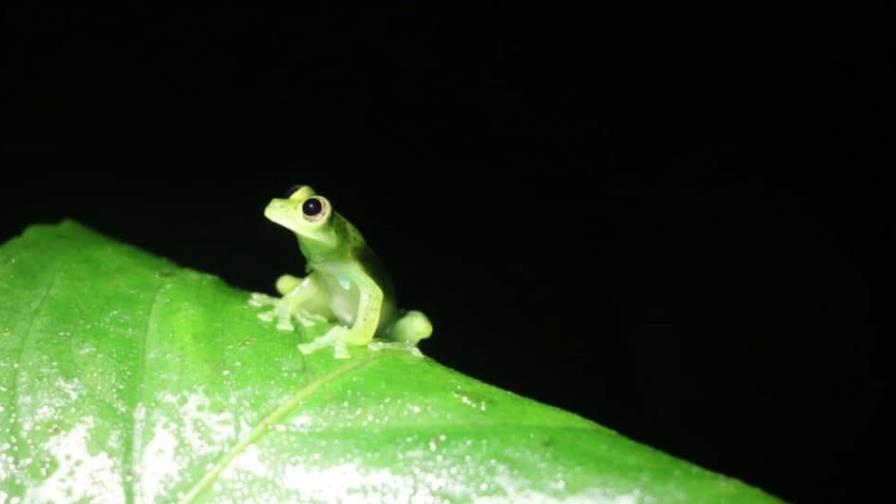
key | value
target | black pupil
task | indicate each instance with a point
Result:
(311, 207)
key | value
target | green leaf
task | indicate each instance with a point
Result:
(124, 377)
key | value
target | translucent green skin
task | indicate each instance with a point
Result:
(345, 283)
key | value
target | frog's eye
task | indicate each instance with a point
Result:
(315, 209)
(312, 207)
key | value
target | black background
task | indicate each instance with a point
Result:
(673, 220)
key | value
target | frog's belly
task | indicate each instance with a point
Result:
(344, 298)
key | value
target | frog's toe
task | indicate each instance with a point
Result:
(308, 348)
(258, 299)
(305, 322)
(267, 316)
(307, 319)
(379, 345)
(285, 325)
(333, 338)
(340, 351)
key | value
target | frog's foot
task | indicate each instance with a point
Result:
(406, 346)
(284, 318)
(284, 323)
(259, 300)
(280, 313)
(308, 319)
(335, 338)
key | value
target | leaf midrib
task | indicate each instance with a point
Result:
(270, 420)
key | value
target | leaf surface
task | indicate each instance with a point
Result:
(126, 378)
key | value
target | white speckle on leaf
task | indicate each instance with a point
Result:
(82, 473)
(590, 497)
(184, 427)
(159, 466)
(301, 421)
(71, 388)
(348, 482)
(203, 430)
(465, 399)
(249, 461)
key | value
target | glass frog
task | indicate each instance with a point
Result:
(345, 283)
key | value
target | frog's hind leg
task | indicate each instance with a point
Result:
(378, 345)
(405, 333)
(412, 327)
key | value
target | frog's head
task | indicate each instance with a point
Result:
(306, 214)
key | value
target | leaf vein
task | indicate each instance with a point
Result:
(17, 383)
(269, 420)
(135, 432)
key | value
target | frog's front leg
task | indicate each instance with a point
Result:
(335, 338)
(364, 325)
(296, 291)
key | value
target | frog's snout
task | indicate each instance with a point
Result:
(272, 208)
(282, 211)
